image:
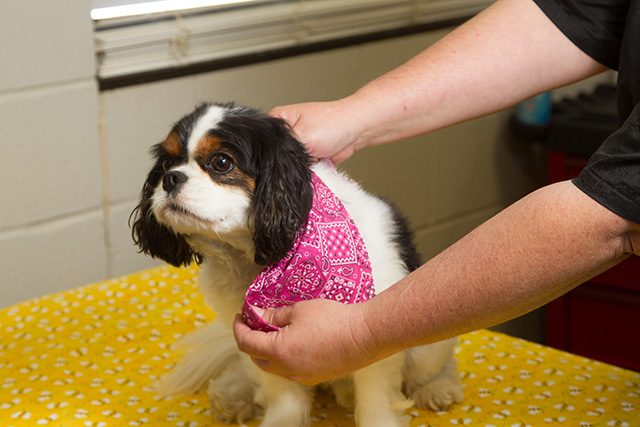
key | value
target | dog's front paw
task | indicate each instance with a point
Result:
(232, 403)
(438, 394)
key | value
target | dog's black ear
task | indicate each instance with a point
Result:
(283, 196)
(153, 238)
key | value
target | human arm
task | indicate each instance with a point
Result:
(527, 255)
(505, 54)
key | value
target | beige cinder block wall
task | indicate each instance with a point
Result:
(51, 217)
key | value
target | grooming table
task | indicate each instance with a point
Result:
(88, 357)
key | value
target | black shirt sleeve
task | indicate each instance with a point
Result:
(609, 32)
(594, 26)
(612, 176)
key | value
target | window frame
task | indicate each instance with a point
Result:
(153, 47)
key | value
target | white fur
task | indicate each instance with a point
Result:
(372, 216)
(235, 386)
(219, 209)
(209, 120)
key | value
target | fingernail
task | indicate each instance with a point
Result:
(259, 310)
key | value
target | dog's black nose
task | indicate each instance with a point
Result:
(173, 180)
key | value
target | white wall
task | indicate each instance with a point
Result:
(73, 160)
(51, 221)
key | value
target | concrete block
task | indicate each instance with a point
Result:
(52, 257)
(311, 77)
(478, 164)
(45, 42)
(375, 59)
(399, 172)
(123, 254)
(434, 239)
(50, 155)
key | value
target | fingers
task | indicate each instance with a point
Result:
(301, 350)
(278, 111)
(254, 343)
(286, 113)
(308, 122)
(279, 316)
(258, 345)
(261, 363)
(341, 156)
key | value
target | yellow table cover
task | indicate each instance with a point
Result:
(89, 357)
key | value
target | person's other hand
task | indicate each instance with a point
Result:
(328, 129)
(318, 340)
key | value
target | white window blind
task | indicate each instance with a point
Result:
(112, 9)
(162, 39)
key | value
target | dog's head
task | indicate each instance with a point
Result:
(224, 170)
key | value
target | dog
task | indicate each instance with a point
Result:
(231, 190)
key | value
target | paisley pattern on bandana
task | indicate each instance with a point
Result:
(328, 260)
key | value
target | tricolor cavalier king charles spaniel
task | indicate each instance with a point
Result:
(231, 190)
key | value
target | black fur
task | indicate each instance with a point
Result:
(265, 150)
(280, 166)
(403, 239)
(153, 238)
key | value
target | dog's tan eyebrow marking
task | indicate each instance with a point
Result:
(172, 145)
(207, 145)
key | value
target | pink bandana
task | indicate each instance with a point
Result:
(329, 260)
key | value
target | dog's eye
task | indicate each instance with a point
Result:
(221, 163)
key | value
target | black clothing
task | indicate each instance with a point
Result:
(609, 32)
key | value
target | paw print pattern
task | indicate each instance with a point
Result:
(90, 357)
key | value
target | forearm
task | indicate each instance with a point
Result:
(529, 254)
(505, 54)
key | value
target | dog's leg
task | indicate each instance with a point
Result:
(430, 376)
(212, 362)
(379, 399)
(344, 393)
(231, 394)
(286, 403)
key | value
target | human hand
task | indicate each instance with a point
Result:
(319, 340)
(328, 129)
